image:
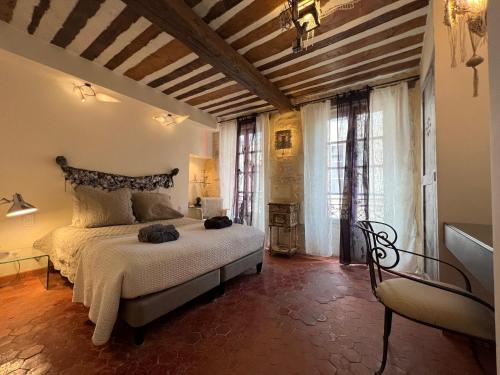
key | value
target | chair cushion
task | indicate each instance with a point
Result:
(437, 307)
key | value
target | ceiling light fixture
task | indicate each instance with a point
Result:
(305, 16)
(462, 17)
(167, 119)
(86, 90)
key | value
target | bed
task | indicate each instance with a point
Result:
(115, 275)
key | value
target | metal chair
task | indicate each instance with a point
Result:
(435, 304)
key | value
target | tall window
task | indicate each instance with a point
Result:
(248, 158)
(337, 137)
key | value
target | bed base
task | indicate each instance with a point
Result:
(140, 311)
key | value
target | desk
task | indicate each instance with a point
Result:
(472, 245)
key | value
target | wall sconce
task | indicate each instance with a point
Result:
(86, 90)
(167, 119)
(462, 16)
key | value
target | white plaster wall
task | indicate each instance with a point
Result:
(41, 117)
(462, 138)
(494, 50)
(463, 143)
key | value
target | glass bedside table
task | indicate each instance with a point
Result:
(36, 260)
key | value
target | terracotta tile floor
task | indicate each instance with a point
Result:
(300, 316)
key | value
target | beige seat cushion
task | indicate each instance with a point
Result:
(153, 206)
(437, 307)
(98, 208)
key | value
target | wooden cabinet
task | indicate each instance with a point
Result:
(283, 220)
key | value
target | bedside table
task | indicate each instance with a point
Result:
(283, 216)
(195, 212)
(25, 255)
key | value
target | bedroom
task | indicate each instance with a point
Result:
(257, 118)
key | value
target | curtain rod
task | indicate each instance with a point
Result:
(250, 114)
(386, 84)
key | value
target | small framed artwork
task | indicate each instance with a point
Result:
(283, 139)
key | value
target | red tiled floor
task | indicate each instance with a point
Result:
(300, 316)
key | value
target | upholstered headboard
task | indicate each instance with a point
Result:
(110, 181)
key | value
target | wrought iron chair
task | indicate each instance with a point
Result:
(435, 304)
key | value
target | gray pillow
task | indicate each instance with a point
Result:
(98, 208)
(153, 206)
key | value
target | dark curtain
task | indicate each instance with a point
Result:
(245, 170)
(354, 107)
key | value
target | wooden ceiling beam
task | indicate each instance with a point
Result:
(357, 58)
(228, 90)
(242, 110)
(119, 25)
(392, 69)
(203, 88)
(77, 19)
(7, 10)
(226, 101)
(358, 69)
(135, 45)
(191, 81)
(166, 55)
(234, 105)
(38, 12)
(348, 49)
(179, 20)
(179, 72)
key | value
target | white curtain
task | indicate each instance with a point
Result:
(394, 189)
(261, 189)
(319, 228)
(227, 162)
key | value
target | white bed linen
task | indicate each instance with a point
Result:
(114, 266)
(65, 244)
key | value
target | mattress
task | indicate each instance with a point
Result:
(64, 244)
(112, 264)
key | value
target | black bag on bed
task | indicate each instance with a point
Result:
(158, 233)
(218, 222)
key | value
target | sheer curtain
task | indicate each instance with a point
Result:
(394, 189)
(227, 162)
(353, 108)
(261, 188)
(319, 233)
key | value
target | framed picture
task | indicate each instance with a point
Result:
(283, 139)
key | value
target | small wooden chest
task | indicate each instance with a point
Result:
(283, 217)
(283, 214)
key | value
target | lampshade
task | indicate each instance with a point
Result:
(20, 206)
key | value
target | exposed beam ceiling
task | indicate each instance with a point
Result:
(373, 41)
(179, 20)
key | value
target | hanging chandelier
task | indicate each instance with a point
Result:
(466, 19)
(305, 16)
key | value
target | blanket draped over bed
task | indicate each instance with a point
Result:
(113, 264)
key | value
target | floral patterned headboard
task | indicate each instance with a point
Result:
(109, 181)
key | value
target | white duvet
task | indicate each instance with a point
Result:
(111, 263)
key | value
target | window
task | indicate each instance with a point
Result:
(337, 136)
(248, 158)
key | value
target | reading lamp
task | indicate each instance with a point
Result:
(19, 206)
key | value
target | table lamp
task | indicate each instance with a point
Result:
(19, 207)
